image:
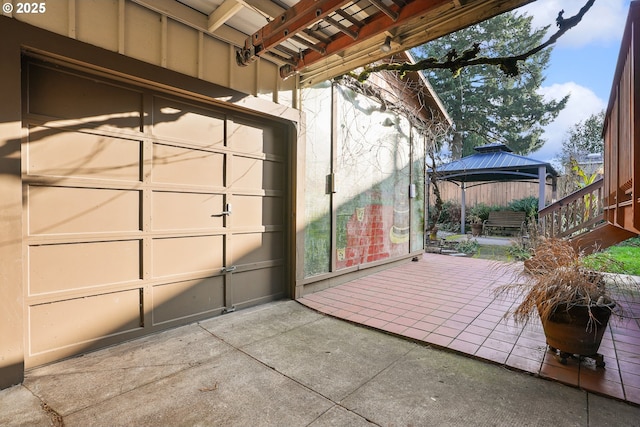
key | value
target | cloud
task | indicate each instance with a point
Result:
(603, 24)
(583, 102)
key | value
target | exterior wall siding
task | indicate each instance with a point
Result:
(145, 31)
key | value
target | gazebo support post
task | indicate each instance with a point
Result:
(462, 207)
(542, 184)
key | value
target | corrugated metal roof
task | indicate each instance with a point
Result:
(492, 162)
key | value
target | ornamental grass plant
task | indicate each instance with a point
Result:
(555, 278)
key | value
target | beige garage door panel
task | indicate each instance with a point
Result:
(55, 210)
(257, 211)
(50, 94)
(190, 298)
(72, 266)
(197, 126)
(82, 155)
(265, 284)
(246, 138)
(273, 176)
(77, 321)
(247, 173)
(247, 211)
(255, 138)
(186, 211)
(256, 174)
(257, 247)
(177, 165)
(184, 255)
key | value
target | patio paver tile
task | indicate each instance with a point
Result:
(394, 328)
(375, 323)
(439, 340)
(447, 331)
(560, 373)
(523, 363)
(610, 388)
(472, 338)
(463, 346)
(504, 346)
(492, 354)
(632, 394)
(448, 302)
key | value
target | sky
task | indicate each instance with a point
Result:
(582, 63)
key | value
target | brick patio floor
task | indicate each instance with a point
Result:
(448, 302)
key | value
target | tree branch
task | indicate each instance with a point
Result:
(455, 62)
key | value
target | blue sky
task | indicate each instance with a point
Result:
(582, 63)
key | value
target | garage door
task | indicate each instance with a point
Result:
(142, 211)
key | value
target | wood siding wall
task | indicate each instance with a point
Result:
(167, 34)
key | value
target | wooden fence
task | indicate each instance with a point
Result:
(491, 193)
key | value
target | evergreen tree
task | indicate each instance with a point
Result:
(487, 106)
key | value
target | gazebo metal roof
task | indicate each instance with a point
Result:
(493, 162)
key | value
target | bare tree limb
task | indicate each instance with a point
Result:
(455, 62)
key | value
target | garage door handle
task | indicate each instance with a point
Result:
(227, 211)
(229, 269)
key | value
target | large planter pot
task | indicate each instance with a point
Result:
(476, 229)
(568, 331)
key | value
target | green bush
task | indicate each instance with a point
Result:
(529, 205)
(518, 252)
(449, 219)
(451, 213)
(451, 216)
(480, 211)
(468, 246)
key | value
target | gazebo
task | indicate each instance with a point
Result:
(495, 162)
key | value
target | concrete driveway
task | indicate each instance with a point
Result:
(282, 364)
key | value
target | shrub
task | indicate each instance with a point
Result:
(529, 205)
(468, 246)
(449, 217)
(480, 211)
(555, 277)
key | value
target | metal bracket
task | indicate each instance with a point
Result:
(245, 56)
(229, 310)
(229, 269)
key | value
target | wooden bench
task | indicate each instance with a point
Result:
(505, 220)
